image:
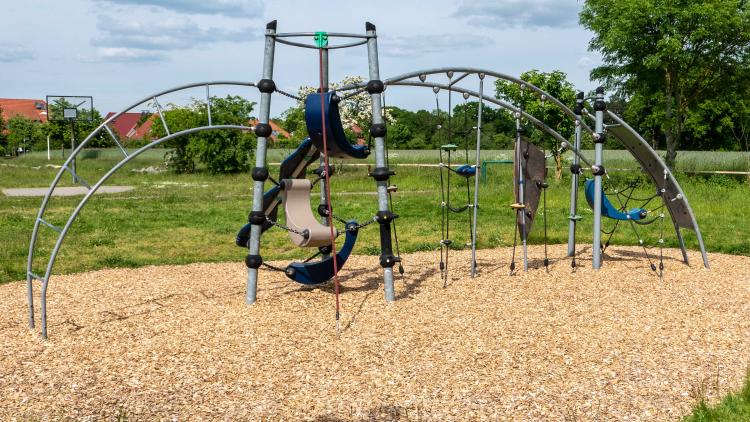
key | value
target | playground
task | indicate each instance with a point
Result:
(365, 287)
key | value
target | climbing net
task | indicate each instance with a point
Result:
(624, 197)
(466, 171)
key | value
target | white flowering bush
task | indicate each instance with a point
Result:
(354, 110)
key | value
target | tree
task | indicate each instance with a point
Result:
(23, 133)
(556, 85)
(675, 54)
(221, 151)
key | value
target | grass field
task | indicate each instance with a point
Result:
(172, 218)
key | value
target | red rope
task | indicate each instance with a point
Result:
(328, 190)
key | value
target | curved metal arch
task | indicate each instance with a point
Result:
(98, 129)
(30, 276)
(472, 70)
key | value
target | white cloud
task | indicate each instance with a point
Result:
(585, 62)
(176, 33)
(229, 8)
(420, 45)
(125, 55)
(502, 14)
(10, 53)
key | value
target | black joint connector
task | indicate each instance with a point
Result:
(253, 261)
(351, 227)
(520, 132)
(381, 174)
(602, 138)
(256, 217)
(378, 130)
(263, 130)
(385, 217)
(388, 260)
(323, 210)
(580, 95)
(542, 185)
(575, 169)
(600, 105)
(599, 171)
(525, 155)
(375, 86)
(335, 98)
(600, 90)
(369, 26)
(321, 171)
(325, 250)
(271, 25)
(260, 174)
(266, 86)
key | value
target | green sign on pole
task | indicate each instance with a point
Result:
(321, 39)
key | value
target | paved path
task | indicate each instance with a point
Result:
(64, 191)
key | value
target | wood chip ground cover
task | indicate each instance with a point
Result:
(178, 342)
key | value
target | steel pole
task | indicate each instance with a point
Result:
(574, 177)
(380, 162)
(476, 179)
(260, 161)
(323, 184)
(599, 107)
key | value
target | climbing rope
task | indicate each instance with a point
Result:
(328, 191)
(390, 194)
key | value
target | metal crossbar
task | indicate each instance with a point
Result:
(161, 115)
(114, 138)
(35, 277)
(77, 178)
(50, 225)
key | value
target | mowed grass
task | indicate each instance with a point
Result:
(176, 219)
(734, 407)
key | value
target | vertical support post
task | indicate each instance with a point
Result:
(599, 138)
(73, 148)
(323, 187)
(521, 184)
(381, 173)
(260, 162)
(48, 152)
(574, 176)
(476, 178)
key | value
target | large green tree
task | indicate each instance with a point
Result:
(556, 84)
(669, 56)
(222, 151)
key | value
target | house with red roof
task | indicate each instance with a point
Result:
(29, 108)
(131, 126)
(276, 130)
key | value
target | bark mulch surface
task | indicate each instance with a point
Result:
(178, 342)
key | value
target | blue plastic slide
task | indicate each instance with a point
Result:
(316, 272)
(338, 145)
(609, 210)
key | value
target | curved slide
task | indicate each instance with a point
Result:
(321, 271)
(609, 210)
(337, 143)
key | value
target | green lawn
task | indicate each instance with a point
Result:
(175, 219)
(732, 408)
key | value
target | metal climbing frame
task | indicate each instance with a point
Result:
(381, 172)
(104, 128)
(677, 204)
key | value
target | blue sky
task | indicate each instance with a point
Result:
(119, 51)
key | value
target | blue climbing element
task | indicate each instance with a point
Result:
(609, 210)
(466, 170)
(338, 144)
(317, 272)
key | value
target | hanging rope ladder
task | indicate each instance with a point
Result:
(466, 171)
